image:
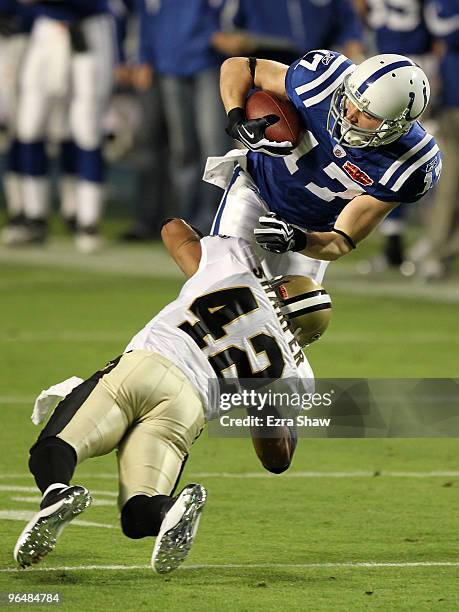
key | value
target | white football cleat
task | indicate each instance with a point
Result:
(178, 529)
(89, 242)
(39, 537)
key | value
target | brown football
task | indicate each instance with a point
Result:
(289, 127)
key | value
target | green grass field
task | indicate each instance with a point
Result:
(353, 525)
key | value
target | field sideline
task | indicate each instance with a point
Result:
(354, 525)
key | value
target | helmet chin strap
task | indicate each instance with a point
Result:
(353, 138)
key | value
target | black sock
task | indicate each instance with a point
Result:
(52, 460)
(393, 250)
(142, 515)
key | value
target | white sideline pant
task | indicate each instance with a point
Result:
(52, 73)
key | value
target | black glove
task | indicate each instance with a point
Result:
(251, 132)
(279, 236)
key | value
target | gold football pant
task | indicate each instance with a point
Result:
(147, 409)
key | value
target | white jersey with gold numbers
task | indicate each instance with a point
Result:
(225, 324)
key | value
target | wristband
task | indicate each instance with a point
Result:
(236, 115)
(346, 237)
(301, 239)
(252, 68)
(166, 221)
(196, 230)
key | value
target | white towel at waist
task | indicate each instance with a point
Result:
(49, 398)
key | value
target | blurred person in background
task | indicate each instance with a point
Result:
(153, 194)
(69, 62)
(442, 17)
(397, 27)
(15, 25)
(176, 56)
(281, 30)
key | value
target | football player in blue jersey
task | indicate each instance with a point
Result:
(363, 152)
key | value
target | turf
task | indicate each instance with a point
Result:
(264, 533)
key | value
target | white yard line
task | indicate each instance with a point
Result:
(223, 566)
(362, 474)
(20, 489)
(12, 400)
(60, 254)
(26, 515)
(37, 499)
(70, 336)
(154, 262)
(249, 475)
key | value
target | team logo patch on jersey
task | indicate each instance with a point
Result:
(357, 175)
(431, 165)
(328, 58)
(339, 151)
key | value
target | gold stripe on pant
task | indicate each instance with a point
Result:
(148, 410)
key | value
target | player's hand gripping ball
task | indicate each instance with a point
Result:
(267, 125)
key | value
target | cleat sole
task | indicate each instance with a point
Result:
(40, 535)
(175, 543)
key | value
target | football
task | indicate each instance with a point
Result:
(289, 127)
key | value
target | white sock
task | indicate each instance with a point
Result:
(56, 485)
(68, 196)
(90, 200)
(35, 191)
(13, 194)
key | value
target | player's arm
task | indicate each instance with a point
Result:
(238, 76)
(274, 445)
(237, 79)
(356, 221)
(183, 244)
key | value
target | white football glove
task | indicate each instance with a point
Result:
(278, 236)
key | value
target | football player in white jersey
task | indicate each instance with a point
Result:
(153, 401)
(362, 153)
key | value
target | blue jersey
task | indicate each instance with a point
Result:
(308, 24)
(443, 20)
(71, 10)
(311, 186)
(23, 15)
(399, 26)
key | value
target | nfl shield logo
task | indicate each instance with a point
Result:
(339, 151)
